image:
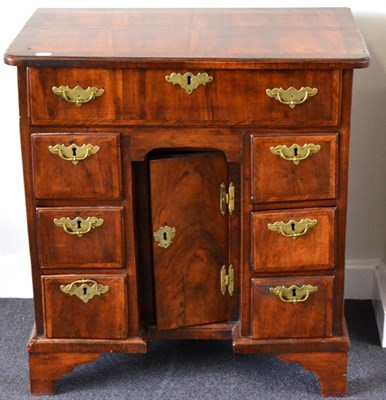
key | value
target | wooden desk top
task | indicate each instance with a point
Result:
(246, 38)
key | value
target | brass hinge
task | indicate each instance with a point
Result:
(227, 280)
(227, 198)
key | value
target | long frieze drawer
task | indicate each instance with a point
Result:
(288, 168)
(293, 240)
(85, 307)
(79, 96)
(292, 307)
(76, 166)
(80, 237)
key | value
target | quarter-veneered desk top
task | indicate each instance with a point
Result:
(256, 38)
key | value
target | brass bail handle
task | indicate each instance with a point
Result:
(295, 153)
(84, 289)
(293, 294)
(291, 96)
(293, 229)
(77, 95)
(73, 152)
(78, 226)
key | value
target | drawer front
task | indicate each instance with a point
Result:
(289, 168)
(49, 108)
(275, 315)
(145, 96)
(293, 240)
(80, 237)
(85, 307)
(76, 166)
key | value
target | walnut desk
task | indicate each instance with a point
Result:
(186, 178)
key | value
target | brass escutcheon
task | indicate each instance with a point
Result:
(293, 229)
(84, 292)
(77, 95)
(293, 294)
(164, 236)
(73, 152)
(295, 153)
(291, 96)
(78, 226)
(188, 81)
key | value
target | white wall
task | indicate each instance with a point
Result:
(366, 237)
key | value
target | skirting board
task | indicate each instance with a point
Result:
(379, 302)
(359, 278)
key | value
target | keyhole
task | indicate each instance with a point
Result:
(84, 291)
(74, 151)
(79, 223)
(295, 152)
(189, 79)
(293, 226)
(294, 292)
(165, 236)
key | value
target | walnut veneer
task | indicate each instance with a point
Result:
(129, 240)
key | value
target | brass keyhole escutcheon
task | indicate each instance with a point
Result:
(293, 294)
(84, 289)
(189, 81)
(164, 236)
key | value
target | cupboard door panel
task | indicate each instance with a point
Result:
(185, 196)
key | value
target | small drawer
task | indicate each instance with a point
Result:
(151, 96)
(293, 240)
(290, 168)
(292, 307)
(103, 99)
(85, 307)
(76, 166)
(80, 237)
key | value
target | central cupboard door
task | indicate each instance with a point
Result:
(185, 197)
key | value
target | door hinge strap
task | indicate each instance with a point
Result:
(227, 198)
(227, 280)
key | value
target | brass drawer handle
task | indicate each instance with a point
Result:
(84, 292)
(78, 226)
(73, 152)
(293, 229)
(295, 153)
(77, 95)
(291, 96)
(189, 81)
(293, 294)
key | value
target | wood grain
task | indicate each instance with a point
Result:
(128, 53)
(102, 247)
(272, 318)
(185, 195)
(313, 251)
(46, 369)
(330, 368)
(96, 177)
(248, 37)
(277, 179)
(144, 96)
(103, 317)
